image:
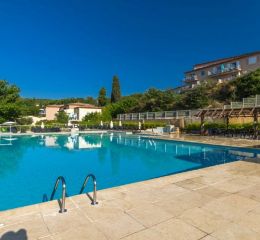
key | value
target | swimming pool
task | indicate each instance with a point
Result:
(30, 165)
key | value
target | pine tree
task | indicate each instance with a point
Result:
(102, 99)
(116, 91)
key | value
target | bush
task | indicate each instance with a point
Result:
(213, 125)
(192, 127)
(24, 121)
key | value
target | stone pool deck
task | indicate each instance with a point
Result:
(220, 202)
(214, 140)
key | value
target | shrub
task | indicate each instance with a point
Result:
(24, 121)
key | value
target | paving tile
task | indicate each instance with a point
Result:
(212, 192)
(146, 195)
(6, 221)
(183, 202)
(46, 238)
(189, 184)
(193, 199)
(175, 208)
(251, 220)
(178, 230)
(235, 232)
(118, 226)
(80, 200)
(251, 192)
(58, 222)
(109, 194)
(89, 231)
(54, 206)
(100, 211)
(149, 214)
(170, 191)
(204, 220)
(210, 179)
(148, 234)
(231, 207)
(158, 182)
(233, 185)
(123, 204)
(32, 229)
(32, 209)
(208, 237)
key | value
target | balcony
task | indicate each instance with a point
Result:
(224, 70)
(191, 79)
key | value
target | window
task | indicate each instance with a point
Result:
(252, 60)
(202, 73)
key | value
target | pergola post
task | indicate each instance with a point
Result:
(227, 122)
(255, 123)
(202, 123)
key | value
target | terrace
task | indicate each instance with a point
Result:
(220, 202)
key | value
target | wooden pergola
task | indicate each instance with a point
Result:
(229, 111)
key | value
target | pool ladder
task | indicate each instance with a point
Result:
(94, 198)
(64, 191)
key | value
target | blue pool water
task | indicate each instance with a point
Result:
(30, 165)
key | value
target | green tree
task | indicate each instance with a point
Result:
(91, 100)
(247, 85)
(62, 117)
(9, 95)
(116, 91)
(102, 99)
(195, 98)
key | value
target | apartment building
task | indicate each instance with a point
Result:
(222, 69)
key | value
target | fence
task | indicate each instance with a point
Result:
(250, 102)
(158, 115)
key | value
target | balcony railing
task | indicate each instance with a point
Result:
(224, 70)
(157, 115)
(191, 78)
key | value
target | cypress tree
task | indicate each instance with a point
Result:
(116, 91)
(102, 99)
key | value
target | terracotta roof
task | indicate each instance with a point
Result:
(220, 61)
(90, 106)
(82, 105)
(55, 105)
(74, 105)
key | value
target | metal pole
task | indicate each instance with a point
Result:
(255, 123)
(202, 123)
(227, 121)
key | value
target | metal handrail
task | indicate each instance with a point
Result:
(94, 198)
(63, 199)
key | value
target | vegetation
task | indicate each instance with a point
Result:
(9, 97)
(116, 91)
(62, 117)
(208, 94)
(127, 125)
(102, 97)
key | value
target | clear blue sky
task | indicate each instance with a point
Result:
(66, 48)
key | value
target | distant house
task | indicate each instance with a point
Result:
(75, 111)
(52, 110)
(221, 70)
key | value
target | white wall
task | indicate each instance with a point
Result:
(82, 112)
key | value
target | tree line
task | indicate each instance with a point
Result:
(208, 94)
